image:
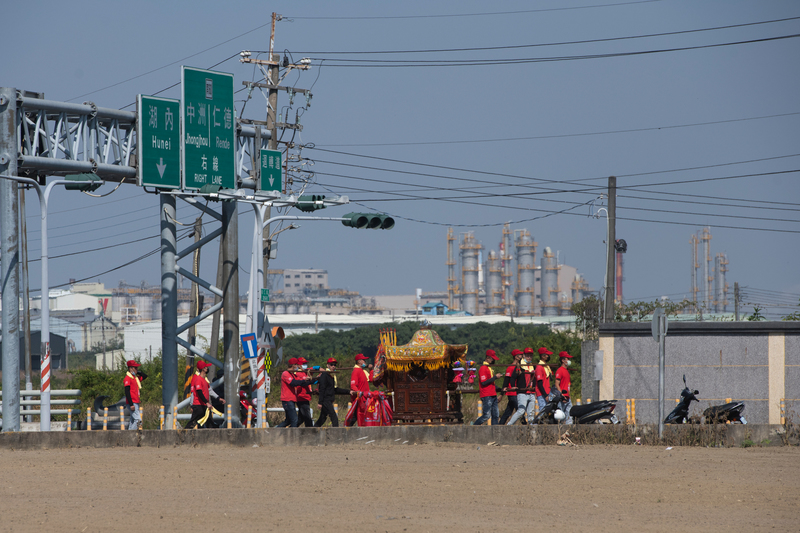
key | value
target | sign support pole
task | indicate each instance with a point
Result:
(9, 232)
(169, 306)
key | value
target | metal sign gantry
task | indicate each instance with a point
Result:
(41, 138)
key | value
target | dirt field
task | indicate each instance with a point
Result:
(446, 487)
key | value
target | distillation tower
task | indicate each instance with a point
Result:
(494, 288)
(526, 272)
(550, 304)
(470, 251)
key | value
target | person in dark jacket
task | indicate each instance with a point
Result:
(328, 388)
(509, 388)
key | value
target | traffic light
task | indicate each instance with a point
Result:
(94, 178)
(310, 202)
(368, 220)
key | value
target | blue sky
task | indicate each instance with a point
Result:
(468, 146)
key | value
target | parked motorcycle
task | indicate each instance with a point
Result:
(680, 415)
(594, 412)
(729, 412)
(581, 414)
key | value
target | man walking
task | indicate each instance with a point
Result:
(201, 401)
(359, 383)
(522, 379)
(133, 386)
(488, 392)
(509, 388)
(562, 384)
(543, 377)
(304, 395)
(289, 385)
(328, 388)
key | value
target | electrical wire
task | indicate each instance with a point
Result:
(566, 135)
(561, 43)
(475, 14)
(173, 63)
(439, 63)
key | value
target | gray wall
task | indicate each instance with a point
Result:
(720, 359)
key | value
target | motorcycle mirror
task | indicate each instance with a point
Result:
(684, 381)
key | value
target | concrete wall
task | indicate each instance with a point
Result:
(754, 362)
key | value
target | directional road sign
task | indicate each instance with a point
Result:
(207, 129)
(271, 170)
(264, 295)
(249, 344)
(660, 324)
(158, 137)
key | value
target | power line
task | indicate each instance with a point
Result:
(173, 63)
(386, 63)
(591, 190)
(460, 15)
(538, 45)
(566, 135)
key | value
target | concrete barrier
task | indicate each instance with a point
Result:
(698, 435)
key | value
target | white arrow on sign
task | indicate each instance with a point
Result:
(271, 181)
(161, 166)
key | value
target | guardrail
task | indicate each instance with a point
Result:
(37, 402)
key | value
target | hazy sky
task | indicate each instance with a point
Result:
(487, 113)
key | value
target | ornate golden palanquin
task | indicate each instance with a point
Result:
(420, 374)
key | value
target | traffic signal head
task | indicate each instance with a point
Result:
(310, 202)
(368, 220)
(85, 187)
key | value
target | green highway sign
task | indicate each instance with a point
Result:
(158, 142)
(208, 143)
(264, 295)
(271, 170)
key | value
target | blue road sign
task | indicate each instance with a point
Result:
(250, 345)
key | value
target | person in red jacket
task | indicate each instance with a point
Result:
(562, 384)
(542, 377)
(133, 386)
(509, 388)
(488, 392)
(202, 401)
(303, 393)
(289, 386)
(359, 383)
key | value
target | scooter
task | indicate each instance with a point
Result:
(590, 413)
(680, 415)
(720, 414)
(594, 412)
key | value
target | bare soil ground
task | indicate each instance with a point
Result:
(448, 487)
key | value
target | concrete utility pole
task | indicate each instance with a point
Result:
(272, 144)
(9, 247)
(736, 300)
(610, 257)
(230, 300)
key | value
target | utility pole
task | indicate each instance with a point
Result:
(736, 300)
(610, 254)
(272, 144)
(9, 248)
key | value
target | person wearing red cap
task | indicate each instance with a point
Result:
(542, 377)
(328, 389)
(522, 379)
(509, 388)
(133, 386)
(359, 382)
(303, 393)
(488, 392)
(201, 401)
(562, 384)
(289, 386)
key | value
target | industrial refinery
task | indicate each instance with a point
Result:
(509, 282)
